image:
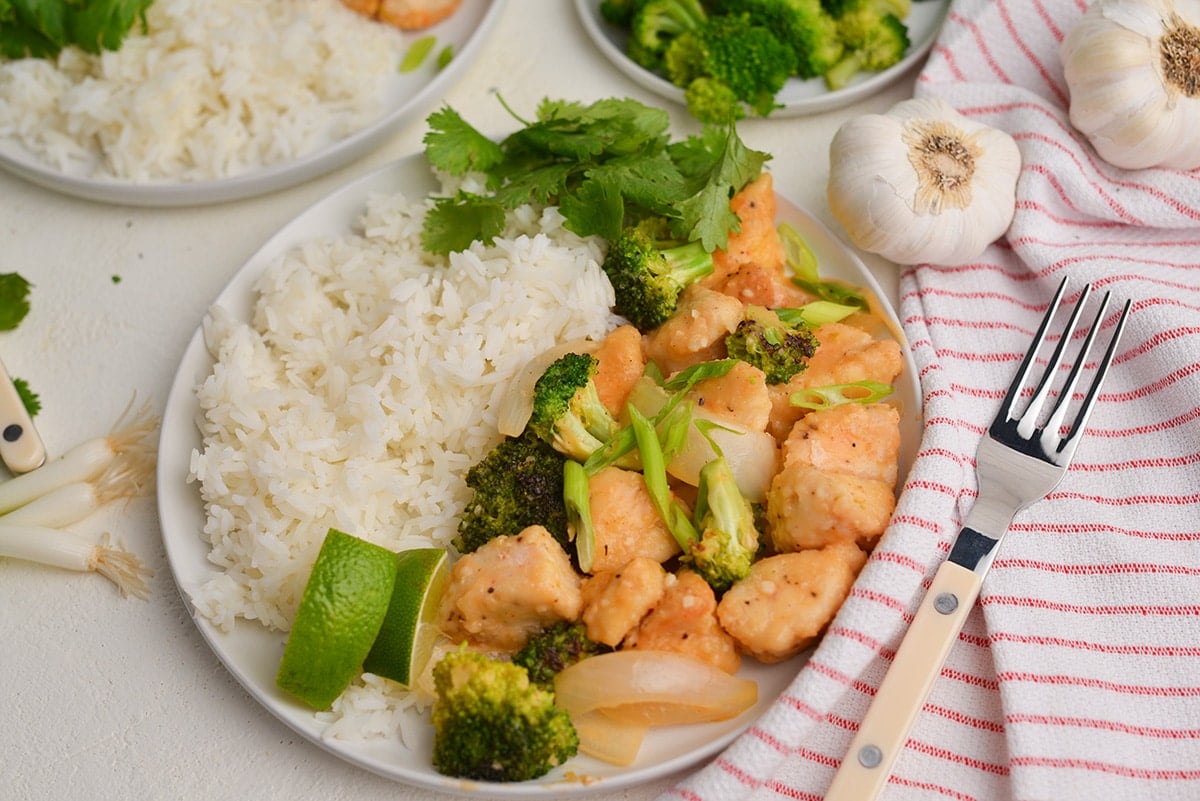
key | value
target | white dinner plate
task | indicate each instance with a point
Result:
(252, 653)
(407, 96)
(798, 97)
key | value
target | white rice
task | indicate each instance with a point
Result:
(359, 394)
(214, 88)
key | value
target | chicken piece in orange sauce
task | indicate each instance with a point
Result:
(752, 267)
(407, 15)
(740, 396)
(621, 364)
(616, 601)
(788, 599)
(625, 522)
(845, 354)
(484, 606)
(837, 482)
(685, 622)
(696, 331)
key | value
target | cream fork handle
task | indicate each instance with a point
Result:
(884, 729)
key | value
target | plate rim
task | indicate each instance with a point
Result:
(15, 159)
(588, 12)
(180, 507)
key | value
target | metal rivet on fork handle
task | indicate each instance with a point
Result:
(946, 603)
(869, 756)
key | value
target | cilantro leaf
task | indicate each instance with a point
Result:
(41, 28)
(606, 165)
(29, 398)
(454, 145)
(14, 300)
(706, 214)
(454, 223)
(597, 209)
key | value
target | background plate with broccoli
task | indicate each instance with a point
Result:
(796, 96)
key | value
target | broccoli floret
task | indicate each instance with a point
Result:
(803, 25)
(554, 648)
(874, 43)
(728, 540)
(711, 101)
(657, 23)
(749, 58)
(490, 723)
(519, 483)
(683, 60)
(764, 341)
(620, 12)
(840, 8)
(648, 278)
(567, 413)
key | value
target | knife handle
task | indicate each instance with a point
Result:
(882, 734)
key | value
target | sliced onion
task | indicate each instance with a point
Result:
(516, 407)
(652, 688)
(607, 739)
(753, 456)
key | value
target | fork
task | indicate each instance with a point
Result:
(1019, 462)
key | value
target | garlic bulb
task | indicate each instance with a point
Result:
(1133, 70)
(922, 183)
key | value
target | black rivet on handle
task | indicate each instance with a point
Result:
(13, 432)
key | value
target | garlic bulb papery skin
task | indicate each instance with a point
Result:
(922, 183)
(1133, 71)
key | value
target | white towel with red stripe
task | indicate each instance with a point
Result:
(1077, 675)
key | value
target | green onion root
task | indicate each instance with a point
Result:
(50, 546)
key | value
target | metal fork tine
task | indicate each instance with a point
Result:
(1067, 449)
(1050, 438)
(1028, 422)
(1014, 389)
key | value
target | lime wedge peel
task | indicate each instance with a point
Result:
(340, 614)
(407, 636)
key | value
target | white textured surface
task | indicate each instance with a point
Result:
(106, 698)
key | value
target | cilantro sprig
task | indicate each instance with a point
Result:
(41, 28)
(605, 165)
(14, 306)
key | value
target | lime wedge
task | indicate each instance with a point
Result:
(406, 638)
(341, 610)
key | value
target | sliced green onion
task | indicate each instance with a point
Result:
(579, 513)
(800, 257)
(818, 398)
(445, 56)
(654, 473)
(417, 52)
(816, 314)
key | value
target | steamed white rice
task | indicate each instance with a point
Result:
(359, 394)
(214, 88)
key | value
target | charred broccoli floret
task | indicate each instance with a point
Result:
(764, 341)
(568, 414)
(490, 723)
(648, 277)
(727, 543)
(555, 648)
(519, 483)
